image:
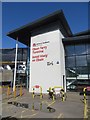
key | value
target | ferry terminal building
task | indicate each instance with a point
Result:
(57, 56)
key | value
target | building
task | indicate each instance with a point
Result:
(8, 56)
(8, 64)
(57, 57)
(77, 60)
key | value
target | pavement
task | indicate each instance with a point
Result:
(26, 107)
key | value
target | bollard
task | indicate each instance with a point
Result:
(15, 92)
(53, 94)
(41, 93)
(8, 91)
(21, 90)
(63, 96)
(33, 106)
(84, 95)
(33, 94)
(85, 111)
(41, 96)
(61, 91)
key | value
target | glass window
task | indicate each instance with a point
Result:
(88, 48)
(8, 57)
(71, 72)
(82, 84)
(69, 50)
(89, 71)
(70, 61)
(19, 57)
(80, 49)
(71, 84)
(82, 73)
(81, 61)
(88, 60)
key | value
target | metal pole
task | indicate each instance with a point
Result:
(65, 84)
(28, 63)
(27, 70)
(15, 65)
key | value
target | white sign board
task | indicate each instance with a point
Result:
(45, 60)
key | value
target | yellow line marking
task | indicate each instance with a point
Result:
(51, 103)
(22, 112)
(27, 115)
(19, 113)
(60, 115)
(30, 115)
(25, 111)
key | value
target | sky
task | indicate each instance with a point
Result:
(17, 14)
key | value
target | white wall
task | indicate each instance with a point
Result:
(41, 73)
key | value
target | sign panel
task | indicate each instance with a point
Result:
(39, 51)
(45, 60)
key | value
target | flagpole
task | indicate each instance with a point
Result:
(15, 64)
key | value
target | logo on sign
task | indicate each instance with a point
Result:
(34, 44)
(49, 63)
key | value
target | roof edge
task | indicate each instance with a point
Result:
(56, 14)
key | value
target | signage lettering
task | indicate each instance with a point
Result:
(39, 51)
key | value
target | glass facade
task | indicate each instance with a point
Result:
(77, 60)
(9, 54)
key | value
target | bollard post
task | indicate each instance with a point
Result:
(40, 93)
(33, 94)
(63, 96)
(41, 96)
(33, 106)
(85, 111)
(15, 92)
(53, 94)
(21, 90)
(84, 95)
(8, 91)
